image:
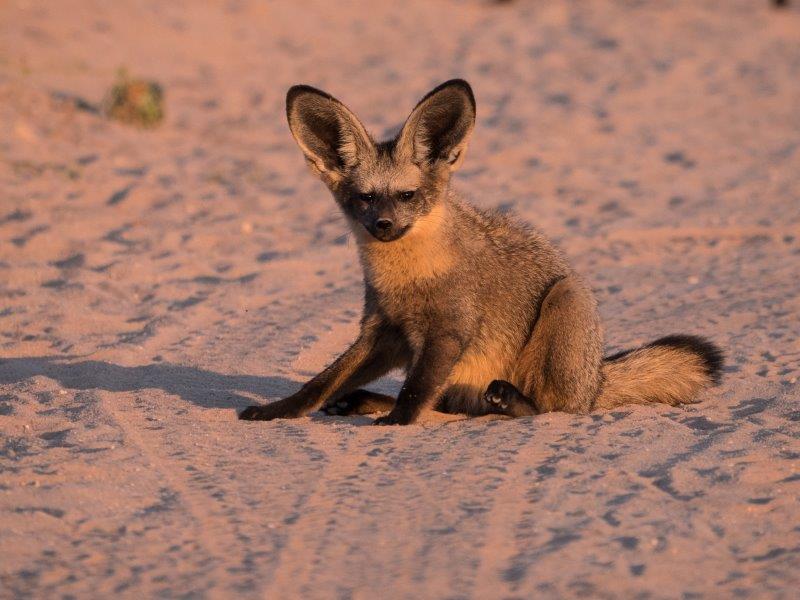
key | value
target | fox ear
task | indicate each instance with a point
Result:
(332, 139)
(438, 129)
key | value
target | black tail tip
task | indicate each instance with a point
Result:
(712, 356)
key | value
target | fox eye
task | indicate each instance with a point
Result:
(366, 197)
(407, 195)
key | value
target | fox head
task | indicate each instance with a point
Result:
(384, 188)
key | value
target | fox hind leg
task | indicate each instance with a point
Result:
(560, 365)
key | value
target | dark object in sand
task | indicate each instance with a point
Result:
(76, 101)
(780, 2)
(135, 101)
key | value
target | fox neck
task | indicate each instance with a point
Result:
(424, 253)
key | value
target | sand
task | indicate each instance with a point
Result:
(155, 281)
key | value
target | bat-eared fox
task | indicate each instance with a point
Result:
(483, 313)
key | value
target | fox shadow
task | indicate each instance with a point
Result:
(207, 389)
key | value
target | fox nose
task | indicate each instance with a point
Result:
(384, 224)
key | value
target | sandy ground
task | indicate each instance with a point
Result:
(153, 282)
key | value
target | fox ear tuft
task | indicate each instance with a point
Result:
(332, 139)
(440, 126)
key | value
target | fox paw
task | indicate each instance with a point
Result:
(342, 407)
(500, 394)
(359, 402)
(395, 418)
(254, 413)
(282, 409)
(505, 399)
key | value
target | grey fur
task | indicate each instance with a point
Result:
(483, 313)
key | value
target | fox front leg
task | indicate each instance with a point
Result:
(348, 369)
(426, 381)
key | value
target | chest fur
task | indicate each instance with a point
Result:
(423, 254)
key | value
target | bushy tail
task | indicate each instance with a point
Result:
(671, 370)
